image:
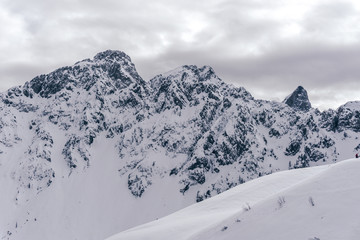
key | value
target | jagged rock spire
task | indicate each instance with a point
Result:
(298, 100)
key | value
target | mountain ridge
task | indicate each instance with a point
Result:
(186, 127)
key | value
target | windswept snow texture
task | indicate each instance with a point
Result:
(93, 144)
(312, 203)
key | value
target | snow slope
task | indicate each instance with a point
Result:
(75, 203)
(312, 203)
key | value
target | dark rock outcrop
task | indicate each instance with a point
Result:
(298, 100)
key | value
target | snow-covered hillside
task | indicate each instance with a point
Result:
(93, 144)
(312, 203)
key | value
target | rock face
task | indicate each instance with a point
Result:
(185, 130)
(298, 100)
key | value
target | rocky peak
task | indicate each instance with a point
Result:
(111, 55)
(298, 100)
(347, 117)
(179, 74)
(184, 85)
(187, 77)
(203, 73)
(113, 69)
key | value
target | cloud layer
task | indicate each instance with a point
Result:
(269, 47)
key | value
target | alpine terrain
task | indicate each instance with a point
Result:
(92, 149)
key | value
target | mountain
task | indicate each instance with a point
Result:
(93, 144)
(296, 204)
(298, 100)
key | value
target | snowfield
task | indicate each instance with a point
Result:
(311, 203)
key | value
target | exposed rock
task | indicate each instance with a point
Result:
(298, 100)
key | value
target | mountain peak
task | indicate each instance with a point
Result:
(112, 55)
(191, 69)
(298, 100)
(114, 66)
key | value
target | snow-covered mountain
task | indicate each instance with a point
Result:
(310, 203)
(93, 144)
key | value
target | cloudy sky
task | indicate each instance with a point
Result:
(268, 47)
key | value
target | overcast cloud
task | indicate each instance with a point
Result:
(268, 47)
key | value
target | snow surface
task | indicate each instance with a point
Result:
(75, 203)
(353, 105)
(312, 203)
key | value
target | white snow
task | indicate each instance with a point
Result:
(353, 105)
(74, 205)
(312, 203)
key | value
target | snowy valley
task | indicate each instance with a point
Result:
(92, 149)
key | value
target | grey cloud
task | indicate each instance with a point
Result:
(19, 73)
(311, 62)
(333, 20)
(332, 10)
